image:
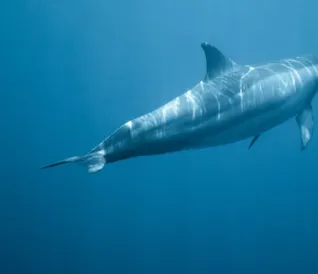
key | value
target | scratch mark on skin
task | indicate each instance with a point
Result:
(191, 100)
(250, 69)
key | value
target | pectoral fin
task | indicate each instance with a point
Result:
(306, 124)
(253, 140)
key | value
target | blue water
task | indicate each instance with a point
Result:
(73, 71)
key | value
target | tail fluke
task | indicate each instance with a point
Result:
(94, 161)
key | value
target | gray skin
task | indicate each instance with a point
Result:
(232, 103)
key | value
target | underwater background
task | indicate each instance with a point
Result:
(74, 71)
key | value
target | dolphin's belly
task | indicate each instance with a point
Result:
(251, 123)
(250, 127)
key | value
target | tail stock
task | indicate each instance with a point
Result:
(94, 161)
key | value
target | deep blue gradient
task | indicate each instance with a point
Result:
(73, 71)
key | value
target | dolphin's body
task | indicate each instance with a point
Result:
(232, 103)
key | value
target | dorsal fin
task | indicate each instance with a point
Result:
(216, 62)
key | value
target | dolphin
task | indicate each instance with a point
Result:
(231, 103)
